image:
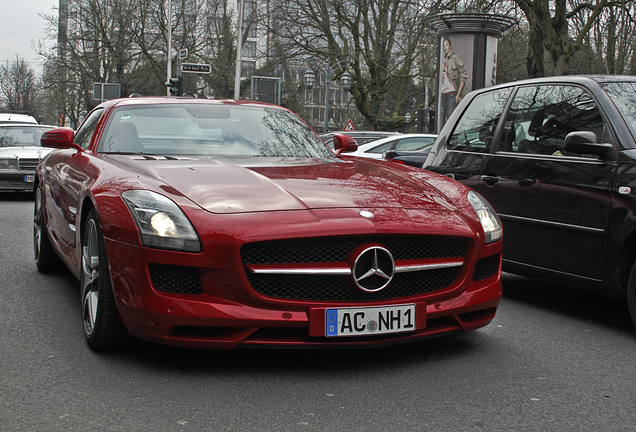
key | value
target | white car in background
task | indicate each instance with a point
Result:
(376, 149)
(360, 137)
(20, 153)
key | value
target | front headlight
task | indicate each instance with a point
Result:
(487, 216)
(8, 164)
(161, 222)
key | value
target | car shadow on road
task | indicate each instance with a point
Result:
(16, 196)
(603, 310)
(303, 361)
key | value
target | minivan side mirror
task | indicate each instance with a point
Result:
(584, 142)
(344, 143)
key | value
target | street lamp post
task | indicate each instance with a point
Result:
(407, 120)
(330, 69)
(169, 67)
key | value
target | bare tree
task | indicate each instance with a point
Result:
(612, 40)
(550, 28)
(125, 42)
(19, 86)
(379, 38)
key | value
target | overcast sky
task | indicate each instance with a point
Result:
(22, 26)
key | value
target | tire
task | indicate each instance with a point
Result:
(102, 326)
(631, 293)
(45, 257)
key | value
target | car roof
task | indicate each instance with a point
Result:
(585, 80)
(167, 100)
(25, 125)
(8, 118)
(380, 141)
(360, 133)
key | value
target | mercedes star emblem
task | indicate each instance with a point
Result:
(373, 269)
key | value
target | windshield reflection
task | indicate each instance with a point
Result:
(210, 130)
(623, 94)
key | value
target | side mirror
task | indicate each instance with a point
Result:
(584, 142)
(61, 138)
(344, 143)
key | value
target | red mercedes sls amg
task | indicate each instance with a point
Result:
(215, 224)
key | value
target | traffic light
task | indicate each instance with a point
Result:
(174, 85)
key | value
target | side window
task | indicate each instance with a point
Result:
(414, 143)
(540, 117)
(85, 132)
(476, 127)
(381, 148)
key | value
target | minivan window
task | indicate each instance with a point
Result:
(476, 128)
(541, 116)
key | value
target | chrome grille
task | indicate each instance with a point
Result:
(338, 288)
(28, 164)
(336, 250)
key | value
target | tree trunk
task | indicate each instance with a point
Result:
(534, 61)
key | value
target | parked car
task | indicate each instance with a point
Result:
(361, 137)
(16, 117)
(20, 152)
(214, 224)
(376, 149)
(556, 158)
(413, 158)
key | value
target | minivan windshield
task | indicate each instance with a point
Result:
(623, 94)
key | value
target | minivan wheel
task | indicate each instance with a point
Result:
(631, 293)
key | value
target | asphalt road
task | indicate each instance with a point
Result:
(554, 359)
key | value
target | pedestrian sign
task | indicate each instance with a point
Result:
(349, 127)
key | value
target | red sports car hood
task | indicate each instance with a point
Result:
(257, 184)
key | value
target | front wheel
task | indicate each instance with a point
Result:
(45, 257)
(631, 293)
(102, 326)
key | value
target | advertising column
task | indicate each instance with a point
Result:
(467, 56)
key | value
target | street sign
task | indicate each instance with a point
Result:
(106, 91)
(266, 89)
(196, 68)
(349, 127)
(183, 53)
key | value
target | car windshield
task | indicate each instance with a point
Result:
(624, 96)
(21, 136)
(212, 130)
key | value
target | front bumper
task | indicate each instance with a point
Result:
(16, 180)
(228, 312)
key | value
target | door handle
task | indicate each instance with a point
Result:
(490, 179)
(527, 182)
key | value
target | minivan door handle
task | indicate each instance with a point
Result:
(490, 179)
(527, 182)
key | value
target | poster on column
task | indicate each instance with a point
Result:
(456, 73)
(491, 61)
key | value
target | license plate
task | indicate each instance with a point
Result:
(29, 178)
(371, 320)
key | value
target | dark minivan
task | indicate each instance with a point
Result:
(556, 158)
